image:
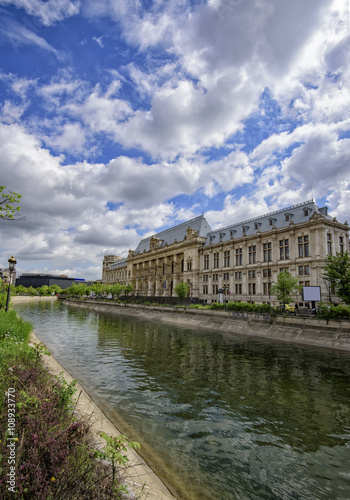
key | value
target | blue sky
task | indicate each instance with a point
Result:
(118, 119)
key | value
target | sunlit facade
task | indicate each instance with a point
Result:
(243, 259)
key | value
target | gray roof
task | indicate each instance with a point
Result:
(119, 263)
(281, 218)
(168, 236)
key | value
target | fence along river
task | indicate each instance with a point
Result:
(220, 416)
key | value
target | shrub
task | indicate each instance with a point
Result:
(217, 305)
(334, 312)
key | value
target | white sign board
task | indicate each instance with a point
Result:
(311, 293)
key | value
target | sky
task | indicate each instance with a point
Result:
(120, 118)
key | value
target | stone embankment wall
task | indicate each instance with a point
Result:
(311, 331)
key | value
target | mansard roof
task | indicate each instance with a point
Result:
(281, 218)
(119, 263)
(178, 233)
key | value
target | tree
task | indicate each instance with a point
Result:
(128, 289)
(8, 210)
(285, 288)
(116, 289)
(181, 289)
(55, 289)
(337, 274)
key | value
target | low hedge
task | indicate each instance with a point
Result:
(333, 312)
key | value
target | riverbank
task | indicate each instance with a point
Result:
(309, 331)
(139, 477)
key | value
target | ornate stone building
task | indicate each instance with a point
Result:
(244, 259)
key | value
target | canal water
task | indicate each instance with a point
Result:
(221, 416)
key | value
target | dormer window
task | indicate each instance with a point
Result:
(245, 229)
(306, 212)
(288, 216)
(212, 238)
(232, 232)
(257, 225)
(272, 221)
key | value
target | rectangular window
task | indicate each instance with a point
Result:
(215, 277)
(284, 249)
(226, 276)
(238, 288)
(304, 270)
(226, 258)
(239, 257)
(215, 289)
(266, 273)
(251, 274)
(189, 266)
(303, 246)
(267, 252)
(206, 261)
(341, 244)
(238, 275)
(300, 246)
(251, 288)
(216, 260)
(329, 244)
(205, 289)
(252, 254)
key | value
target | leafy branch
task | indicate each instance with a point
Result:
(8, 200)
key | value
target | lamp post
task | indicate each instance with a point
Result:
(12, 263)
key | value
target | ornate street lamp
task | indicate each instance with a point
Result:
(12, 263)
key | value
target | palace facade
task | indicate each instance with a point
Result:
(243, 259)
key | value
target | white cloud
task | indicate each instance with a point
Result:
(48, 12)
(71, 139)
(98, 40)
(19, 34)
(185, 82)
(100, 111)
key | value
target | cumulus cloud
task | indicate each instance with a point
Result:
(175, 103)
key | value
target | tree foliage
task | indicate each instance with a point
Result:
(181, 289)
(286, 287)
(8, 204)
(337, 274)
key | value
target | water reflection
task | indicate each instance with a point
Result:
(233, 417)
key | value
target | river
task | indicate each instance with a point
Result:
(219, 416)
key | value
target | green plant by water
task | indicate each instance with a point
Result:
(51, 453)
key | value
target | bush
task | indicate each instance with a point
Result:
(250, 308)
(217, 306)
(334, 312)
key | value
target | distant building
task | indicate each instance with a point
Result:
(244, 258)
(38, 280)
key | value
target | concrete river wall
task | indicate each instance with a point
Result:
(311, 331)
